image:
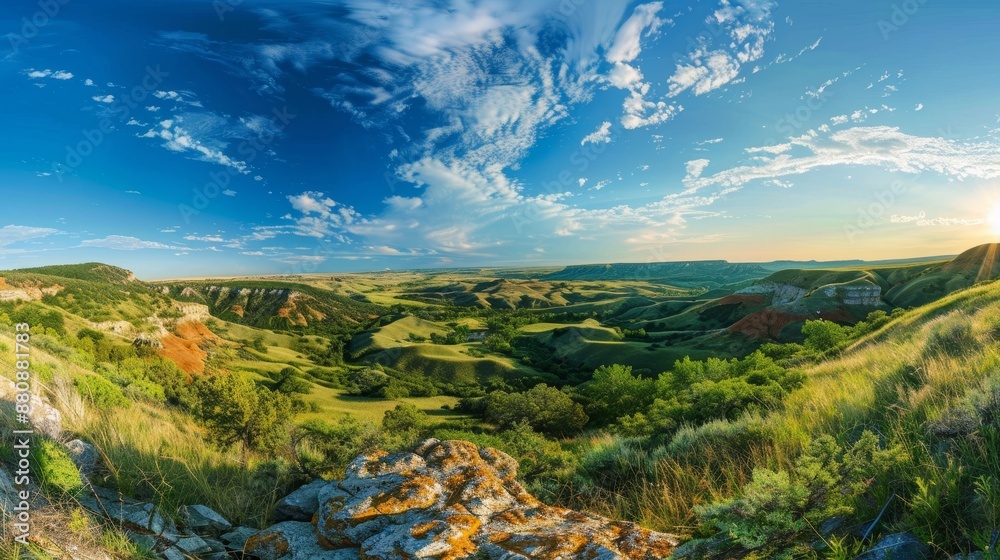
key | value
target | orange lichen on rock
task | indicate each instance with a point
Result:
(450, 500)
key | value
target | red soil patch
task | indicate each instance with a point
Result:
(841, 316)
(766, 323)
(237, 309)
(186, 346)
(745, 299)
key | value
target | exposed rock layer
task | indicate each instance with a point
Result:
(446, 500)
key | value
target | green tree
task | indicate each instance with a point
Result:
(235, 410)
(288, 381)
(824, 335)
(367, 382)
(614, 392)
(544, 408)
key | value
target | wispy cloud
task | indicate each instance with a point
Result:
(11, 234)
(601, 135)
(126, 243)
(880, 146)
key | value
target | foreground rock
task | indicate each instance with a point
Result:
(447, 500)
(898, 546)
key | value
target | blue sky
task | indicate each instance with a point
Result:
(189, 138)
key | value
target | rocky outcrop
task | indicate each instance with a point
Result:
(45, 418)
(445, 500)
(26, 293)
(897, 546)
(865, 295)
(780, 293)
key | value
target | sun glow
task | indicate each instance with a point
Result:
(993, 219)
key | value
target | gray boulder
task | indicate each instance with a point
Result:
(8, 496)
(204, 520)
(301, 504)
(237, 538)
(193, 545)
(898, 546)
(294, 540)
(173, 553)
(84, 455)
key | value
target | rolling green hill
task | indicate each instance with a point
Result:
(279, 305)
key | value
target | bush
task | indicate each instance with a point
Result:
(100, 392)
(544, 408)
(776, 506)
(615, 392)
(326, 449)
(406, 423)
(824, 335)
(56, 470)
(235, 410)
(367, 382)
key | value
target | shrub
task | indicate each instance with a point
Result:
(775, 506)
(100, 392)
(235, 410)
(544, 408)
(406, 423)
(55, 468)
(324, 448)
(824, 335)
(367, 382)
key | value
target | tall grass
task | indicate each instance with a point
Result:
(901, 382)
(159, 455)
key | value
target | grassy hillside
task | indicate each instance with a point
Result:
(279, 305)
(927, 385)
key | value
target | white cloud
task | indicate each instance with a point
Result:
(582, 181)
(921, 220)
(11, 234)
(879, 146)
(206, 238)
(89, 82)
(55, 75)
(104, 98)
(126, 243)
(178, 138)
(624, 76)
(132, 192)
(920, 107)
(695, 168)
(709, 71)
(185, 97)
(626, 46)
(229, 192)
(602, 134)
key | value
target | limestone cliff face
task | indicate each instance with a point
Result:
(780, 293)
(862, 295)
(446, 500)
